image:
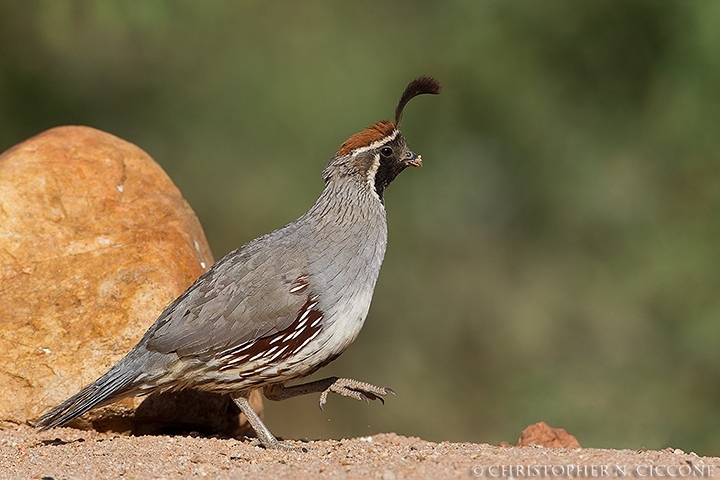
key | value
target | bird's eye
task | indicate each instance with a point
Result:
(386, 151)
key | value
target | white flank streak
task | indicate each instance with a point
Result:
(316, 322)
(237, 359)
(272, 350)
(295, 289)
(306, 341)
(276, 339)
(279, 352)
(255, 357)
(305, 314)
(233, 350)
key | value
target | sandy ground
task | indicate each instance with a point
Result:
(66, 453)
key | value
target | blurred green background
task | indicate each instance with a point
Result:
(558, 256)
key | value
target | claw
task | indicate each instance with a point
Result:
(323, 399)
(373, 396)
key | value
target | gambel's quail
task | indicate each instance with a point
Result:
(281, 306)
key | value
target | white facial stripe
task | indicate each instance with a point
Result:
(377, 143)
(371, 175)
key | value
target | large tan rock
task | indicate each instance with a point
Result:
(95, 240)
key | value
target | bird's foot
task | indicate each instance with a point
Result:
(347, 387)
(264, 437)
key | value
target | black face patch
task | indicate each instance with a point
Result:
(391, 163)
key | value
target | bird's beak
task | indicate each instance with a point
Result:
(413, 160)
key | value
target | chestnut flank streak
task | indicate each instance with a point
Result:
(280, 345)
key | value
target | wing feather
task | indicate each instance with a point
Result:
(215, 313)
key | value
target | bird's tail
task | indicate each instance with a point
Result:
(116, 384)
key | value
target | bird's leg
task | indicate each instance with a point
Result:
(346, 387)
(266, 438)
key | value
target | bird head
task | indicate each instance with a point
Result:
(379, 153)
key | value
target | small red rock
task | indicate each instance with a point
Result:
(545, 436)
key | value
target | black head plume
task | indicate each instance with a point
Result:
(424, 84)
(384, 128)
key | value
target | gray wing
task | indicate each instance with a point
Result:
(244, 296)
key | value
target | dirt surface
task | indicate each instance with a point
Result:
(66, 453)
